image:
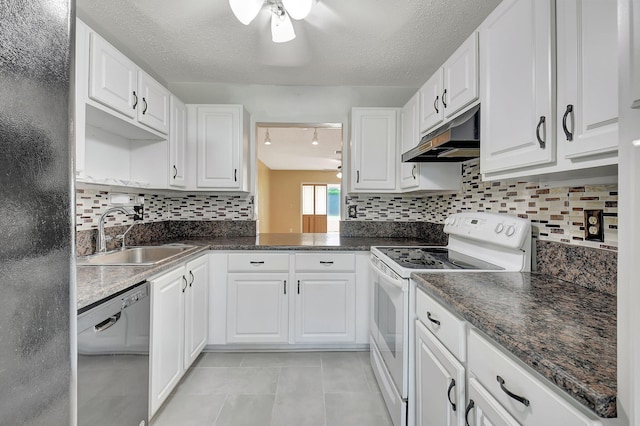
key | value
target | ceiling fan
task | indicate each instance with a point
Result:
(281, 13)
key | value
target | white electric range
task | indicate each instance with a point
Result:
(478, 242)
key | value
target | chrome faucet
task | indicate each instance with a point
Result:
(101, 241)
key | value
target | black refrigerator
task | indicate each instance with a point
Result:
(37, 385)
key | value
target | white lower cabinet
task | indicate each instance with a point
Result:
(499, 390)
(325, 307)
(523, 396)
(440, 382)
(257, 308)
(179, 326)
(286, 299)
(483, 409)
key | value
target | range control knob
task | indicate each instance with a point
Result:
(452, 220)
(499, 228)
(510, 230)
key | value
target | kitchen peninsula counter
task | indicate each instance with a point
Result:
(96, 283)
(565, 332)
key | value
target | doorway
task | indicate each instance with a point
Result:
(288, 160)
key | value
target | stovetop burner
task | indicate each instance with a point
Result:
(433, 258)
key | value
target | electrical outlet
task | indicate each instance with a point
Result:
(139, 212)
(593, 225)
(353, 212)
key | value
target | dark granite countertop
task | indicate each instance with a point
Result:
(95, 283)
(319, 242)
(563, 331)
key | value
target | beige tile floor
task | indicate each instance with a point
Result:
(277, 389)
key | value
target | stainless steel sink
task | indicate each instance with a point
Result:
(150, 255)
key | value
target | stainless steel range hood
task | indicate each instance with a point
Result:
(458, 140)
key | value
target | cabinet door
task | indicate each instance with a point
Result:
(517, 67)
(461, 77)
(153, 105)
(196, 306)
(587, 83)
(374, 149)
(484, 410)
(112, 77)
(325, 308)
(178, 144)
(409, 172)
(257, 308)
(440, 382)
(167, 334)
(431, 107)
(219, 141)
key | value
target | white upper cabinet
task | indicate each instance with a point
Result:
(221, 133)
(452, 87)
(461, 77)
(153, 103)
(409, 172)
(118, 83)
(112, 77)
(587, 81)
(516, 65)
(373, 149)
(178, 144)
(431, 108)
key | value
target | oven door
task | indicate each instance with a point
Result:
(389, 322)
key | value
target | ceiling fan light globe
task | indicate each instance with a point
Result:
(246, 10)
(281, 28)
(298, 9)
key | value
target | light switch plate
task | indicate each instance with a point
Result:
(593, 225)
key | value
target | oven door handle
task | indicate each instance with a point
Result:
(390, 282)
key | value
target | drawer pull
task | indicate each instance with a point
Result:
(435, 321)
(259, 262)
(466, 412)
(451, 386)
(324, 262)
(518, 398)
(285, 286)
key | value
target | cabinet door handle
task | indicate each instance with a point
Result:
(257, 262)
(444, 98)
(285, 286)
(135, 100)
(186, 284)
(466, 412)
(235, 175)
(518, 398)
(451, 386)
(326, 262)
(567, 133)
(192, 278)
(413, 171)
(298, 286)
(175, 171)
(435, 321)
(435, 104)
(357, 176)
(144, 110)
(540, 123)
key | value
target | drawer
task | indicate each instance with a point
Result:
(546, 406)
(258, 262)
(448, 328)
(325, 262)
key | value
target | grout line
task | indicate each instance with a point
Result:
(220, 410)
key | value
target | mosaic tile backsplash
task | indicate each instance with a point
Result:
(91, 204)
(556, 214)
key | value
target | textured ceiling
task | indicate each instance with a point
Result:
(291, 148)
(342, 42)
